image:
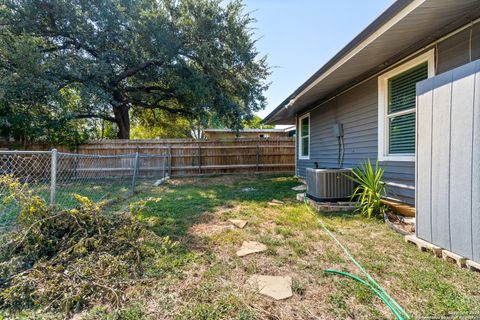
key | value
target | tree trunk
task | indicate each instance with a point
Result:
(122, 119)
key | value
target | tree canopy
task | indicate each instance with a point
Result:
(71, 61)
(255, 122)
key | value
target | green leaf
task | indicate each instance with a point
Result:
(370, 188)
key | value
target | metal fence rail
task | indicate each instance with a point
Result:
(58, 176)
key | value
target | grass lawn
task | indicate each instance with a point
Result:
(200, 277)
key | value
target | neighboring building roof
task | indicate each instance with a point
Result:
(404, 28)
(245, 130)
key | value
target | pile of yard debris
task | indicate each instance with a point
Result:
(399, 223)
(66, 259)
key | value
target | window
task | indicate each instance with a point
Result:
(304, 137)
(397, 108)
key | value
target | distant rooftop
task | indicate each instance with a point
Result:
(245, 130)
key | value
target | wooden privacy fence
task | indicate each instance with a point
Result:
(197, 157)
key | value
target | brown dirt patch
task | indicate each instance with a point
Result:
(207, 181)
(205, 229)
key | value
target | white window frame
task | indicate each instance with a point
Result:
(300, 137)
(383, 116)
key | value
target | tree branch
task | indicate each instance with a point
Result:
(66, 45)
(147, 89)
(92, 115)
(156, 105)
(134, 70)
(63, 33)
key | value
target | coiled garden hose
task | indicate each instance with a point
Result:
(393, 305)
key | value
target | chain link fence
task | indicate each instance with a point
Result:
(57, 176)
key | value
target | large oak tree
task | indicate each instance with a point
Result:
(194, 58)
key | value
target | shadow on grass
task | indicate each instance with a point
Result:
(181, 206)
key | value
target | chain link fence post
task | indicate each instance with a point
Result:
(136, 162)
(53, 177)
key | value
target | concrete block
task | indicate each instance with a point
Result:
(453, 257)
(328, 206)
(472, 265)
(423, 245)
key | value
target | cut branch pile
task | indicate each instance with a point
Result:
(67, 259)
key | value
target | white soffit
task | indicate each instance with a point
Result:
(416, 22)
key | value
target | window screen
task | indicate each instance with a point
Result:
(305, 136)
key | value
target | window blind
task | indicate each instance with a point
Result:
(402, 134)
(402, 88)
(401, 109)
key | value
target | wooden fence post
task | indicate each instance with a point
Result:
(258, 157)
(199, 159)
(163, 166)
(135, 173)
(169, 160)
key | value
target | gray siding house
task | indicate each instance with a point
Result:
(362, 103)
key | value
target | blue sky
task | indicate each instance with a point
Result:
(299, 36)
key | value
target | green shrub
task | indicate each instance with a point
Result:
(66, 259)
(370, 189)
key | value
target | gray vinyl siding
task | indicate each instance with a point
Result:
(357, 110)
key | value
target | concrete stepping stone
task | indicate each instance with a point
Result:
(249, 247)
(276, 202)
(239, 223)
(301, 187)
(275, 287)
(160, 181)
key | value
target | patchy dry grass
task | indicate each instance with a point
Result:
(204, 279)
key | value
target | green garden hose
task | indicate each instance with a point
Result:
(393, 305)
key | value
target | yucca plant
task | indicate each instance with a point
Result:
(370, 189)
